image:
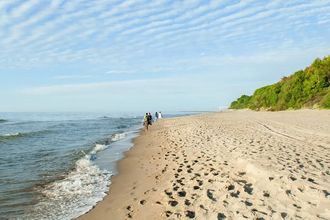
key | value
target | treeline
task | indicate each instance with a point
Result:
(306, 88)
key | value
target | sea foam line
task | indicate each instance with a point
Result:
(21, 134)
(118, 136)
(78, 192)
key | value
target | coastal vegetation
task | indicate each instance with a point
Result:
(308, 88)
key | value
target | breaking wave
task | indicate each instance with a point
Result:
(76, 194)
(7, 137)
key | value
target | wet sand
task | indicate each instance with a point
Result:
(229, 165)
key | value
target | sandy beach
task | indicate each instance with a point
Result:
(226, 165)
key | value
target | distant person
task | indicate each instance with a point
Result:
(160, 115)
(145, 121)
(156, 116)
(149, 119)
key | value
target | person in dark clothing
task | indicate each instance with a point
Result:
(146, 121)
(149, 119)
(156, 116)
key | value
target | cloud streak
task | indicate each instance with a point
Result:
(86, 87)
(47, 31)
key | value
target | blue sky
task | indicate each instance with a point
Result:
(141, 55)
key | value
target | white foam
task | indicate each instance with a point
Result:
(76, 194)
(118, 136)
(12, 135)
(99, 147)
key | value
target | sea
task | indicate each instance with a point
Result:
(59, 165)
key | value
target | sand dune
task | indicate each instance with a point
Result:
(229, 165)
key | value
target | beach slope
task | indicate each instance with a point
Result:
(228, 165)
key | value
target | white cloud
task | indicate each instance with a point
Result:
(110, 72)
(23, 8)
(126, 29)
(64, 77)
(75, 88)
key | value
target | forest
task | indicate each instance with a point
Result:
(308, 88)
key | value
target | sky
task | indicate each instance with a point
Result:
(159, 55)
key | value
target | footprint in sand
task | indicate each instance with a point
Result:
(326, 193)
(247, 203)
(187, 202)
(173, 203)
(203, 208)
(196, 187)
(168, 193)
(284, 215)
(130, 214)
(235, 194)
(248, 188)
(221, 216)
(231, 187)
(266, 194)
(182, 193)
(168, 213)
(210, 195)
(190, 214)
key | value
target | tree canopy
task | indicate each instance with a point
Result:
(305, 88)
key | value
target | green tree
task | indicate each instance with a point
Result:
(304, 88)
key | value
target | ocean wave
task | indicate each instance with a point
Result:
(76, 194)
(122, 126)
(3, 120)
(78, 191)
(118, 136)
(7, 137)
(97, 148)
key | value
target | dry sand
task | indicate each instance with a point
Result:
(229, 165)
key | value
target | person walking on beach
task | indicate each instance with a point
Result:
(146, 121)
(156, 116)
(149, 119)
(160, 115)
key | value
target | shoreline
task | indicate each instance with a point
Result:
(119, 180)
(224, 165)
